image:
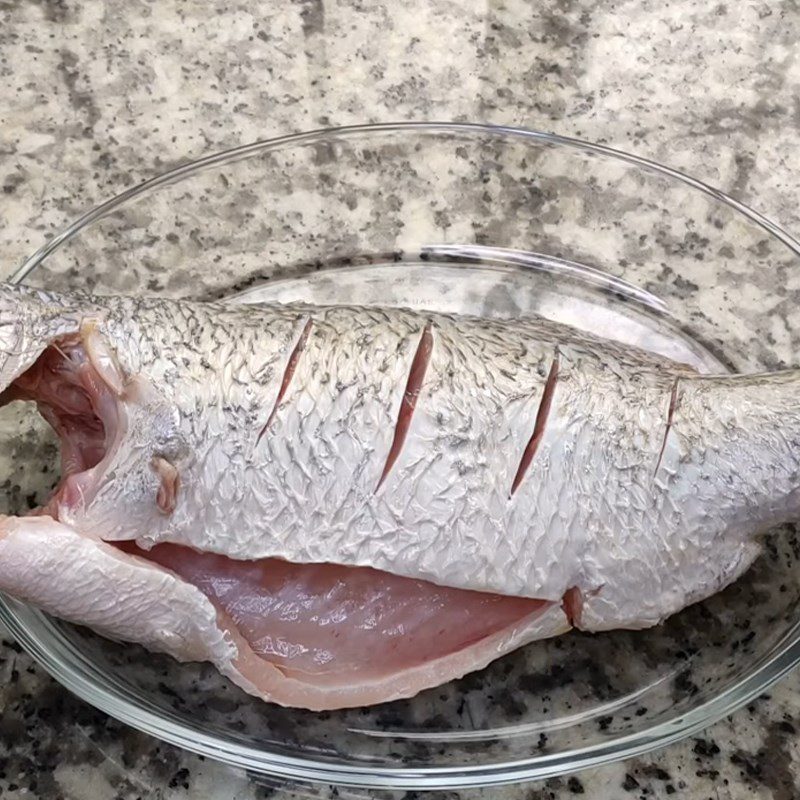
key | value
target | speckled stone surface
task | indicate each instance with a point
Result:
(99, 95)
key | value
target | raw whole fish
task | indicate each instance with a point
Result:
(340, 505)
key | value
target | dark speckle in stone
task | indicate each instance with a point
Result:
(771, 765)
(575, 786)
(555, 677)
(56, 11)
(11, 183)
(180, 778)
(313, 16)
(81, 99)
(705, 748)
(653, 771)
(510, 702)
(542, 743)
(684, 685)
(263, 792)
(630, 783)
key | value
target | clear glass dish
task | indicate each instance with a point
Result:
(469, 218)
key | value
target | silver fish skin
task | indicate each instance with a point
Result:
(647, 489)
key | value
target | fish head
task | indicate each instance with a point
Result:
(119, 435)
(131, 491)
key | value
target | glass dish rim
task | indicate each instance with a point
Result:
(785, 656)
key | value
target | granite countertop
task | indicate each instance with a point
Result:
(99, 95)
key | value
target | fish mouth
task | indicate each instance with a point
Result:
(76, 400)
